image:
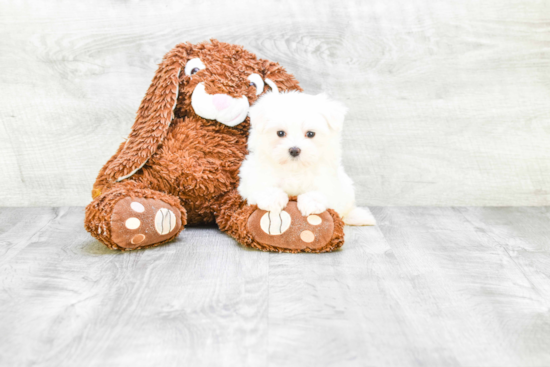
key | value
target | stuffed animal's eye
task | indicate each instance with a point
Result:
(281, 134)
(257, 82)
(310, 134)
(193, 66)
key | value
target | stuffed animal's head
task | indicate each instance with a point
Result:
(220, 82)
(213, 81)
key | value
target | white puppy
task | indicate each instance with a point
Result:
(294, 149)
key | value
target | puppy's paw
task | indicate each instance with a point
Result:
(312, 202)
(271, 199)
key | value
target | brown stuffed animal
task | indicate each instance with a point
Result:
(179, 165)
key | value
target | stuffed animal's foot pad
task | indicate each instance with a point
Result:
(139, 222)
(289, 230)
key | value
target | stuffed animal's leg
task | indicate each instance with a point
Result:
(129, 216)
(287, 231)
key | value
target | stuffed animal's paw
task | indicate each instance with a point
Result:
(289, 231)
(139, 222)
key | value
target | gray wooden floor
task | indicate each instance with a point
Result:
(428, 286)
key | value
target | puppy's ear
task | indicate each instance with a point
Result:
(333, 111)
(259, 112)
(153, 117)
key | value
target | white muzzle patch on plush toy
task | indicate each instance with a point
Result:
(220, 107)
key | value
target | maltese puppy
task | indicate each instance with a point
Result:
(294, 149)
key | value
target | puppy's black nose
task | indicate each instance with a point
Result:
(294, 151)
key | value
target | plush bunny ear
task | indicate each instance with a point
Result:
(277, 78)
(153, 118)
(333, 111)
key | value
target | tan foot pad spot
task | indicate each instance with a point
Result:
(307, 236)
(314, 220)
(132, 223)
(138, 238)
(138, 222)
(295, 232)
(137, 207)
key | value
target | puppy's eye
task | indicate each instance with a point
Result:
(194, 71)
(281, 134)
(310, 134)
(257, 82)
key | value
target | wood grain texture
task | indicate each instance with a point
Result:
(427, 287)
(448, 100)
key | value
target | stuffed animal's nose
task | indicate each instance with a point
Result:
(221, 101)
(294, 151)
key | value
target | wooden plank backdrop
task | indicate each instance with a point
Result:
(449, 100)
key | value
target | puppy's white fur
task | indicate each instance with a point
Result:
(269, 174)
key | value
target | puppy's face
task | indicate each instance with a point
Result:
(296, 129)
